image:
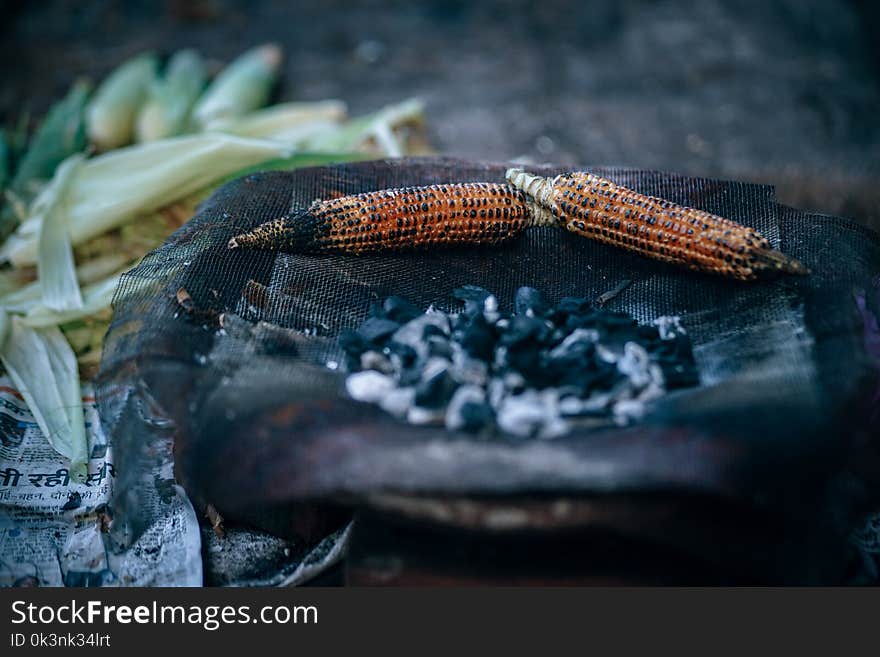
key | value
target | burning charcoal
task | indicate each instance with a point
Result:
(400, 310)
(437, 386)
(529, 302)
(397, 402)
(375, 329)
(368, 386)
(468, 410)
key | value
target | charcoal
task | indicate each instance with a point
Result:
(524, 329)
(376, 329)
(478, 338)
(369, 386)
(528, 301)
(397, 402)
(523, 374)
(473, 298)
(419, 415)
(375, 360)
(466, 369)
(353, 343)
(436, 386)
(400, 310)
(490, 309)
(468, 410)
(580, 342)
(439, 346)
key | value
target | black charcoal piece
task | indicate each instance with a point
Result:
(376, 329)
(468, 410)
(400, 310)
(439, 346)
(528, 301)
(436, 386)
(473, 298)
(353, 343)
(526, 329)
(478, 338)
(475, 416)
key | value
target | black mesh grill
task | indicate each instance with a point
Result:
(237, 371)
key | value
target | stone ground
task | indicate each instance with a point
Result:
(785, 92)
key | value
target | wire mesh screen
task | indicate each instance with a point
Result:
(234, 354)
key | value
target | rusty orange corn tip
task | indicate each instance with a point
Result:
(599, 209)
(394, 219)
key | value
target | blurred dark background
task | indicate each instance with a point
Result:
(785, 92)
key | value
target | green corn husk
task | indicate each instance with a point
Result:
(96, 298)
(30, 295)
(43, 368)
(61, 134)
(241, 87)
(170, 99)
(111, 115)
(288, 122)
(377, 128)
(56, 269)
(119, 186)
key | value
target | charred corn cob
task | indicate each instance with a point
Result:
(393, 219)
(602, 210)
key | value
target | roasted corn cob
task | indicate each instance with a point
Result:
(602, 210)
(393, 219)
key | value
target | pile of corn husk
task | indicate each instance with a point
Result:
(111, 171)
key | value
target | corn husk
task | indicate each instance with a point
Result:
(55, 266)
(371, 132)
(170, 99)
(111, 114)
(61, 134)
(96, 298)
(241, 87)
(287, 122)
(116, 187)
(43, 368)
(25, 296)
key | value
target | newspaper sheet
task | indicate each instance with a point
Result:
(53, 531)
